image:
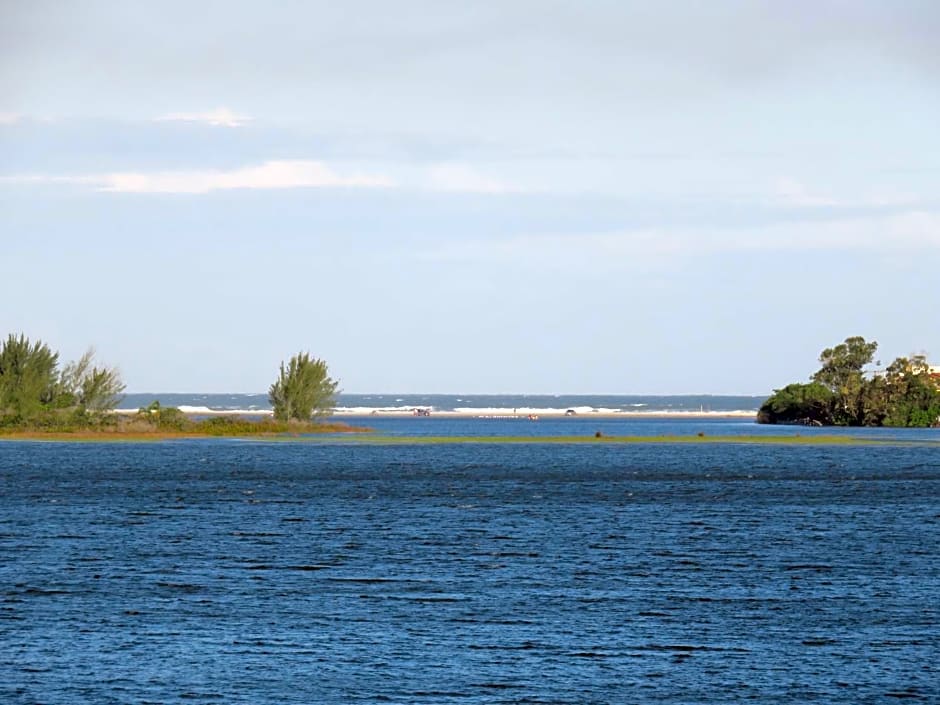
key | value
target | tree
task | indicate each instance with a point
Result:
(27, 376)
(845, 361)
(842, 393)
(842, 372)
(877, 399)
(303, 390)
(91, 388)
(913, 398)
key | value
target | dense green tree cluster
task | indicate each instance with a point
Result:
(843, 393)
(37, 394)
(303, 390)
(33, 387)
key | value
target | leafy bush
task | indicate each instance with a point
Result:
(164, 418)
(798, 403)
(303, 390)
(232, 426)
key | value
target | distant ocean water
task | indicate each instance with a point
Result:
(491, 404)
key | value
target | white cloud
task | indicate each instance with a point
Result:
(10, 118)
(220, 117)
(279, 174)
(283, 174)
(462, 178)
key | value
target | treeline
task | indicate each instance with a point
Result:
(35, 390)
(36, 393)
(843, 393)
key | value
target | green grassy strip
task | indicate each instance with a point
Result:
(369, 439)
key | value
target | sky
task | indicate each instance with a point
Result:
(529, 196)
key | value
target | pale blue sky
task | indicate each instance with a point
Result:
(532, 197)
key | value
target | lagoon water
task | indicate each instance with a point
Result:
(254, 572)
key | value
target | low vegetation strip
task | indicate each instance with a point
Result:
(673, 439)
(168, 423)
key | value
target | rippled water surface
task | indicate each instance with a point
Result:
(238, 572)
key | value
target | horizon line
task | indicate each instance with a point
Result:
(488, 394)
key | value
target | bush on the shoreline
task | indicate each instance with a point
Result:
(60, 421)
(35, 391)
(164, 418)
(844, 393)
(239, 426)
(303, 390)
(809, 404)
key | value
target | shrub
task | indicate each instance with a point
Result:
(303, 390)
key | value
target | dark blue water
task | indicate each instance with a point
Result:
(246, 572)
(580, 426)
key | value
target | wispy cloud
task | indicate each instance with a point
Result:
(10, 118)
(913, 231)
(219, 117)
(285, 174)
(791, 192)
(281, 174)
(794, 193)
(465, 179)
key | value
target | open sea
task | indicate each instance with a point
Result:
(479, 404)
(332, 571)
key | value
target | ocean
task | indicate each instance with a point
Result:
(481, 404)
(333, 571)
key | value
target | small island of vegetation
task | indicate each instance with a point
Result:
(40, 399)
(845, 391)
